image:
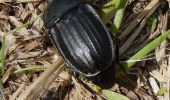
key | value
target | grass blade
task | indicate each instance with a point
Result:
(109, 95)
(142, 53)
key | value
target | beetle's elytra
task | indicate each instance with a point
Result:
(80, 36)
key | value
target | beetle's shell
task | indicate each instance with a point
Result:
(83, 40)
(57, 8)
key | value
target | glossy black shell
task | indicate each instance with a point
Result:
(81, 37)
(57, 8)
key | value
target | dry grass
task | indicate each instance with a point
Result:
(24, 49)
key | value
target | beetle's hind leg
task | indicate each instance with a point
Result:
(76, 75)
(116, 52)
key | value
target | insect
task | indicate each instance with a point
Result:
(81, 37)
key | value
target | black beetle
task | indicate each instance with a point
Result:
(80, 36)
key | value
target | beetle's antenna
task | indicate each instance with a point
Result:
(47, 41)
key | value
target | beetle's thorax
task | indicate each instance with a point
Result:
(58, 8)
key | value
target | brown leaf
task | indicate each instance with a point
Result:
(32, 45)
(6, 74)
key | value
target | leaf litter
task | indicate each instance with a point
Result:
(24, 49)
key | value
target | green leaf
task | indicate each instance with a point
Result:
(161, 91)
(110, 95)
(152, 22)
(30, 68)
(114, 9)
(2, 58)
(110, 6)
(96, 88)
(1, 90)
(118, 16)
(142, 53)
(148, 48)
(2, 67)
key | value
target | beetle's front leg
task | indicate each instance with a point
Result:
(76, 75)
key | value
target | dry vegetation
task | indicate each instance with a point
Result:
(25, 59)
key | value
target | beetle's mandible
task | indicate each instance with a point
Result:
(80, 36)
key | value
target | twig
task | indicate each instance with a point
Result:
(77, 86)
(3, 55)
(137, 20)
(30, 68)
(15, 21)
(19, 1)
(14, 96)
(24, 25)
(2, 67)
(43, 82)
(168, 81)
(2, 90)
(129, 41)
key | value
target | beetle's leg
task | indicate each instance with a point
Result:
(117, 54)
(47, 41)
(76, 75)
(117, 60)
(116, 42)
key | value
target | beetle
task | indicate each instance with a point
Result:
(80, 36)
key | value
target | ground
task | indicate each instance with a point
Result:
(34, 70)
